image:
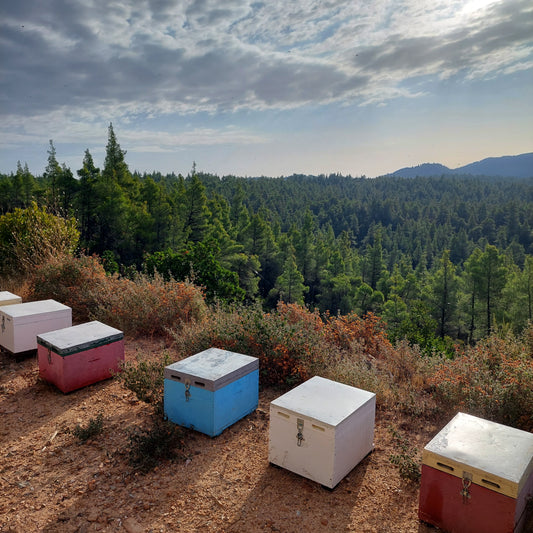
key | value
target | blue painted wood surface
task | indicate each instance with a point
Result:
(211, 412)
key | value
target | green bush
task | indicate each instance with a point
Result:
(145, 378)
(405, 457)
(30, 237)
(93, 428)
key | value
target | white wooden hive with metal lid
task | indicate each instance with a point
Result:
(21, 323)
(8, 298)
(477, 476)
(211, 390)
(321, 429)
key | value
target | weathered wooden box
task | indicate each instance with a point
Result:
(8, 298)
(476, 477)
(321, 429)
(21, 323)
(74, 357)
(211, 390)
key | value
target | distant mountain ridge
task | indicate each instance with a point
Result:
(509, 166)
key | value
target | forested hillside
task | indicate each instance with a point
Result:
(439, 259)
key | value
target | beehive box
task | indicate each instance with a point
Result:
(8, 298)
(476, 477)
(211, 390)
(21, 323)
(74, 357)
(321, 429)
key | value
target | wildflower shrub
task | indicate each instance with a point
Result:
(143, 306)
(492, 380)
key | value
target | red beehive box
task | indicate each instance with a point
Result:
(477, 476)
(74, 357)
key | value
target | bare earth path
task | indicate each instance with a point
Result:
(50, 482)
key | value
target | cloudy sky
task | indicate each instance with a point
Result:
(274, 87)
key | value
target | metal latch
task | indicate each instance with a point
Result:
(300, 427)
(467, 481)
(187, 390)
(3, 323)
(49, 356)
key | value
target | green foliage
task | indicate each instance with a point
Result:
(94, 427)
(145, 378)
(198, 262)
(405, 457)
(30, 237)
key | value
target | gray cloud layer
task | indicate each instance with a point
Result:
(206, 55)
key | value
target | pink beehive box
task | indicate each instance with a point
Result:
(21, 323)
(74, 357)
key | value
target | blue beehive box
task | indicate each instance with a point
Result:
(211, 390)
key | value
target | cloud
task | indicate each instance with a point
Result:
(92, 60)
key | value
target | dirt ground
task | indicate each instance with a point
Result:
(51, 482)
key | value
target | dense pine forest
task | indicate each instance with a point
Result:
(440, 260)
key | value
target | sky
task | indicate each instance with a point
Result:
(266, 88)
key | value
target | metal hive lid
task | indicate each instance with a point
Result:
(324, 400)
(82, 337)
(499, 456)
(212, 369)
(30, 311)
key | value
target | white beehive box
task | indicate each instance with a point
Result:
(21, 323)
(8, 298)
(321, 429)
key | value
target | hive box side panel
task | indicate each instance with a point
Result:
(8, 298)
(235, 401)
(354, 440)
(20, 336)
(442, 504)
(82, 368)
(196, 412)
(7, 332)
(313, 458)
(521, 516)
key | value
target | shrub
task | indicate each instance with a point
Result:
(289, 349)
(493, 380)
(368, 331)
(73, 281)
(405, 457)
(148, 305)
(93, 428)
(145, 378)
(30, 237)
(142, 306)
